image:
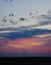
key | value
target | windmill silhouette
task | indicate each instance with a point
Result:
(48, 52)
(24, 52)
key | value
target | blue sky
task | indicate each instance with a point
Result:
(22, 8)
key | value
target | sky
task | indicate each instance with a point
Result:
(30, 10)
(25, 26)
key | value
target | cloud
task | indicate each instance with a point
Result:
(45, 19)
(10, 29)
(39, 20)
(10, 15)
(21, 33)
(8, 19)
(34, 15)
(44, 23)
(30, 14)
(37, 12)
(11, 21)
(42, 20)
(46, 16)
(49, 12)
(8, 0)
(11, 0)
(22, 19)
(4, 19)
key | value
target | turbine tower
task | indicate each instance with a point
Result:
(48, 52)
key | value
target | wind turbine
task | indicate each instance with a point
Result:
(48, 52)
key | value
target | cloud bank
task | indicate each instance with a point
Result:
(40, 20)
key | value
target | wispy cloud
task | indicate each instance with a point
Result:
(45, 19)
(40, 20)
(10, 19)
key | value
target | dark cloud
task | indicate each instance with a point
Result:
(14, 23)
(37, 12)
(8, 29)
(8, 0)
(30, 14)
(33, 13)
(43, 15)
(11, 0)
(10, 15)
(11, 21)
(46, 16)
(22, 19)
(4, 19)
(25, 33)
(44, 23)
(46, 19)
